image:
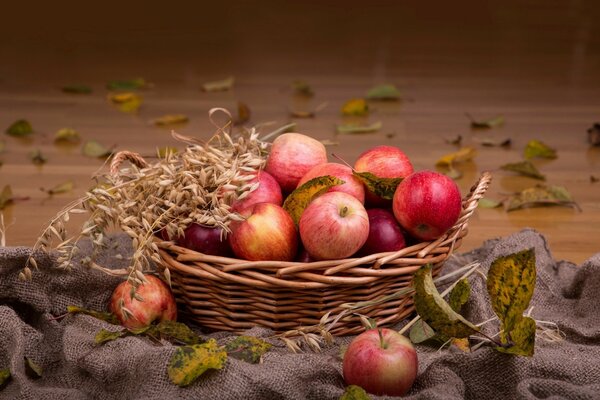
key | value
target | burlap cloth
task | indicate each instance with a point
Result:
(135, 368)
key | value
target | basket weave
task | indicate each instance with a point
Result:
(232, 294)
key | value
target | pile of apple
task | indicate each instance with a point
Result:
(347, 220)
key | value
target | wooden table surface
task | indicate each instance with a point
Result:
(536, 63)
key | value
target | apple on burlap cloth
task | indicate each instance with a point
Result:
(135, 368)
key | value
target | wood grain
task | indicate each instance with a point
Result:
(537, 63)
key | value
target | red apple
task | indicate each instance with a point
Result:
(333, 226)
(383, 162)
(292, 155)
(353, 186)
(268, 191)
(381, 361)
(427, 204)
(205, 239)
(158, 303)
(267, 233)
(385, 233)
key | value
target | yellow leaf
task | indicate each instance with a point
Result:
(539, 196)
(6, 196)
(19, 128)
(384, 92)
(61, 188)
(354, 128)
(247, 348)
(189, 362)
(300, 198)
(355, 107)
(94, 149)
(536, 148)
(218, 86)
(462, 155)
(127, 102)
(170, 119)
(4, 376)
(354, 392)
(163, 151)
(462, 344)
(522, 338)
(66, 135)
(382, 187)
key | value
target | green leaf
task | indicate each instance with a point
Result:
(189, 362)
(355, 107)
(302, 88)
(459, 295)
(510, 284)
(67, 135)
(300, 198)
(19, 128)
(486, 123)
(541, 196)
(525, 168)
(354, 392)
(6, 196)
(64, 187)
(421, 332)
(219, 86)
(179, 332)
(536, 148)
(522, 338)
(104, 316)
(489, 203)
(106, 336)
(384, 92)
(170, 119)
(77, 89)
(163, 151)
(4, 377)
(354, 128)
(435, 311)
(247, 348)
(128, 84)
(32, 369)
(94, 149)
(382, 187)
(37, 157)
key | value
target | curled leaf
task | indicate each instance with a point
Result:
(307, 113)
(459, 295)
(37, 157)
(127, 102)
(77, 89)
(489, 203)
(94, 149)
(540, 196)
(189, 362)
(462, 155)
(247, 348)
(355, 107)
(354, 392)
(179, 332)
(382, 187)
(104, 316)
(536, 148)
(421, 332)
(486, 123)
(525, 168)
(302, 88)
(219, 86)
(434, 310)
(4, 377)
(104, 336)
(67, 135)
(522, 338)
(19, 128)
(128, 84)
(489, 142)
(354, 128)
(170, 119)
(384, 92)
(32, 369)
(299, 199)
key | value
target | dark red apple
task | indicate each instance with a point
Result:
(292, 155)
(427, 204)
(268, 191)
(267, 233)
(158, 303)
(205, 239)
(383, 162)
(334, 226)
(353, 186)
(381, 361)
(385, 233)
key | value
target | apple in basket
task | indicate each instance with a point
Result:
(267, 233)
(333, 226)
(382, 362)
(427, 204)
(205, 239)
(383, 162)
(385, 233)
(157, 303)
(268, 191)
(291, 156)
(352, 185)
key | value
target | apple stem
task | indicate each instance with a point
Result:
(344, 211)
(381, 341)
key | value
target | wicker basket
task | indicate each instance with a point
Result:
(232, 294)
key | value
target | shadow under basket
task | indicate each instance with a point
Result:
(234, 295)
